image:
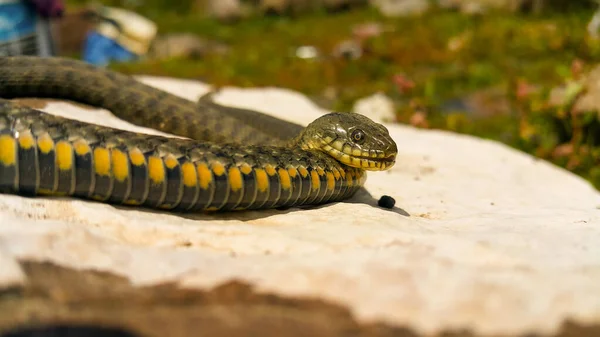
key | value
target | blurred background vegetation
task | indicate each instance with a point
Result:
(521, 74)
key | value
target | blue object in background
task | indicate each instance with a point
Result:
(17, 28)
(99, 50)
(17, 19)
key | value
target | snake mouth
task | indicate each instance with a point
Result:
(373, 163)
(372, 160)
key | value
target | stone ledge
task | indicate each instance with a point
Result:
(484, 239)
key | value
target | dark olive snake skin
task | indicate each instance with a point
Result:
(234, 158)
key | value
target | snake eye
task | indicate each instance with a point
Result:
(358, 136)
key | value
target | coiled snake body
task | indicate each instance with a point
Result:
(232, 159)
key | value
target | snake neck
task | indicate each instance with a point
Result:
(306, 142)
(298, 141)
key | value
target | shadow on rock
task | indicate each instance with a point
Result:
(67, 331)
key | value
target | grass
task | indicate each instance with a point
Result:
(496, 49)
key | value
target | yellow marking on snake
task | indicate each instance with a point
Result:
(336, 174)
(320, 171)
(190, 178)
(8, 150)
(270, 170)
(362, 177)
(345, 158)
(330, 181)
(132, 202)
(171, 162)
(246, 169)
(262, 181)
(26, 140)
(303, 172)
(293, 172)
(81, 147)
(218, 168)
(64, 156)
(235, 179)
(342, 173)
(45, 143)
(120, 165)
(137, 157)
(284, 178)
(349, 179)
(156, 170)
(102, 161)
(204, 175)
(316, 182)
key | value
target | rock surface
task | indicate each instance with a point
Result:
(589, 101)
(395, 8)
(482, 238)
(296, 7)
(377, 107)
(185, 45)
(483, 6)
(223, 10)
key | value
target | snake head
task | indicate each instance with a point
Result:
(352, 139)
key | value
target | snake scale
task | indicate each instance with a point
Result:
(230, 159)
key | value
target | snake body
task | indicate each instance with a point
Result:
(229, 160)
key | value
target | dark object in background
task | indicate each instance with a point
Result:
(49, 8)
(68, 331)
(562, 5)
(47, 11)
(386, 202)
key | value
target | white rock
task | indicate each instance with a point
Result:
(11, 274)
(483, 6)
(224, 10)
(395, 8)
(378, 107)
(496, 241)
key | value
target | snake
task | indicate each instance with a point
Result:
(214, 158)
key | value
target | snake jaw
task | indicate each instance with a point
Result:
(352, 155)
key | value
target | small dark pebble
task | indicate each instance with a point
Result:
(386, 202)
